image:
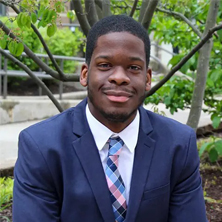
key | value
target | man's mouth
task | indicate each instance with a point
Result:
(118, 96)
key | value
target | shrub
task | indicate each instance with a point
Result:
(64, 42)
(6, 189)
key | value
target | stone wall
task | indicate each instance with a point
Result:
(12, 111)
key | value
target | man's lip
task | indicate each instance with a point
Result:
(118, 99)
(118, 93)
(118, 96)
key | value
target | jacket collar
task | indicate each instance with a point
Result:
(80, 123)
(87, 152)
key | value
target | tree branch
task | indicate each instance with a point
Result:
(61, 74)
(99, 3)
(99, 8)
(133, 8)
(106, 8)
(91, 12)
(143, 9)
(182, 17)
(203, 68)
(38, 61)
(147, 18)
(184, 60)
(83, 21)
(35, 78)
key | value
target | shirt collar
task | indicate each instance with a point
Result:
(101, 133)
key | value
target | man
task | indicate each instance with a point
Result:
(108, 159)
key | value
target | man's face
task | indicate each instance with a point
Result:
(117, 78)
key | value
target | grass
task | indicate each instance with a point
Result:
(6, 192)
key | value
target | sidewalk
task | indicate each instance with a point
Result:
(9, 134)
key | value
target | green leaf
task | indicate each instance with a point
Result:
(172, 92)
(215, 75)
(51, 30)
(172, 110)
(213, 155)
(219, 32)
(71, 15)
(175, 60)
(205, 146)
(167, 100)
(216, 121)
(28, 23)
(41, 10)
(210, 82)
(12, 47)
(185, 67)
(58, 6)
(19, 49)
(3, 43)
(18, 19)
(45, 15)
(218, 147)
(24, 18)
(34, 18)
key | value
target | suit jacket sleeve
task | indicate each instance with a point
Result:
(187, 202)
(34, 196)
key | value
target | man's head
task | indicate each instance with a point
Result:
(116, 23)
(116, 70)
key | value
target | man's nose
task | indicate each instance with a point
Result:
(119, 76)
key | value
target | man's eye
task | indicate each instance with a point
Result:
(135, 68)
(104, 66)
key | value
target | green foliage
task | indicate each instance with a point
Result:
(71, 15)
(173, 30)
(66, 43)
(63, 42)
(124, 7)
(28, 37)
(176, 94)
(213, 149)
(6, 188)
(47, 16)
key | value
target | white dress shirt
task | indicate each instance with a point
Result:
(129, 135)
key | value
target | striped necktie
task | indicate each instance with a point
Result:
(114, 180)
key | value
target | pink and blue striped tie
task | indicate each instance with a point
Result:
(114, 180)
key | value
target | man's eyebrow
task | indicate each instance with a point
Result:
(136, 59)
(109, 57)
(103, 57)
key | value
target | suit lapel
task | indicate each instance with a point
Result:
(88, 155)
(142, 162)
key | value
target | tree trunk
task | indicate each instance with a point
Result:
(143, 9)
(106, 8)
(147, 18)
(83, 21)
(91, 12)
(202, 69)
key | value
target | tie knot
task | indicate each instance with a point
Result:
(115, 145)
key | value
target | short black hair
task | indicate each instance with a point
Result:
(116, 23)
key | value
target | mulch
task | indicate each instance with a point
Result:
(212, 186)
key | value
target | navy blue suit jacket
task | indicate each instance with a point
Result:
(59, 174)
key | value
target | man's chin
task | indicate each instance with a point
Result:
(116, 117)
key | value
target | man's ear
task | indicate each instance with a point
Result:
(148, 79)
(84, 75)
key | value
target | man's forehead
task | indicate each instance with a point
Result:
(122, 34)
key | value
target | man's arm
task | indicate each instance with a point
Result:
(187, 202)
(34, 196)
